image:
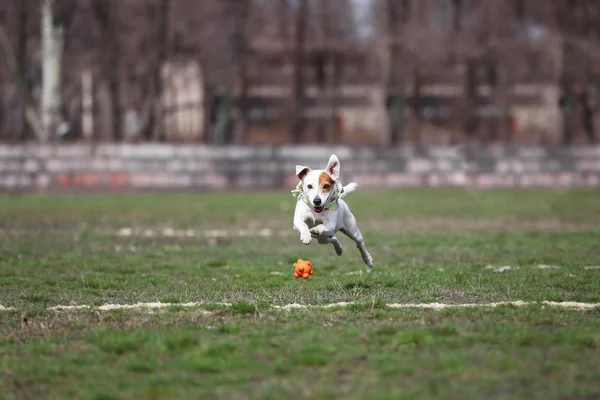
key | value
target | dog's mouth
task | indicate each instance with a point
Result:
(318, 209)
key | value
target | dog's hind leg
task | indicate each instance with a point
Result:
(355, 234)
(334, 241)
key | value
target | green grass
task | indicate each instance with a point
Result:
(428, 245)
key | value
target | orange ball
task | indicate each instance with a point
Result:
(303, 268)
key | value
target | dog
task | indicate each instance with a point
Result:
(320, 211)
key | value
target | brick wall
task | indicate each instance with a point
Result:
(158, 166)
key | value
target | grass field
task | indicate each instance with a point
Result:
(232, 252)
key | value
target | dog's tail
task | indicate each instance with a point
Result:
(349, 188)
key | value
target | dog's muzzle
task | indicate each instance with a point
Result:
(317, 205)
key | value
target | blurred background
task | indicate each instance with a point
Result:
(375, 73)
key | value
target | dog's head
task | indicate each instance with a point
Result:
(318, 184)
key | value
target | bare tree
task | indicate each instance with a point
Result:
(22, 61)
(398, 13)
(158, 12)
(106, 16)
(238, 48)
(16, 60)
(56, 19)
(298, 96)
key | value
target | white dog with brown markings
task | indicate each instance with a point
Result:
(321, 212)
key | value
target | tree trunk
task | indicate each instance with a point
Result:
(22, 62)
(457, 9)
(417, 106)
(471, 97)
(87, 101)
(239, 58)
(337, 123)
(241, 127)
(105, 14)
(321, 67)
(31, 113)
(567, 101)
(52, 51)
(208, 112)
(223, 108)
(114, 89)
(496, 98)
(396, 90)
(396, 97)
(156, 117)
(519, 6)
(510, 122)
(298, 100)
(283, 18)
(587, 115)
(323, 70)
(587, 99)
(405, 11)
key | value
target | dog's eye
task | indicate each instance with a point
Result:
(310, 186)
(326, 187)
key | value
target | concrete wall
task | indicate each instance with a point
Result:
(177, 167)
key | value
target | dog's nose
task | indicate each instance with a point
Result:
(317, 201)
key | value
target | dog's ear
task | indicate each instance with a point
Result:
(301, 171)
(333, 167)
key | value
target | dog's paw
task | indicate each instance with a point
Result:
(368, 260)
(338, 248)
(305, 237)
(317, 230)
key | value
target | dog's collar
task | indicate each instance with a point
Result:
(331, 204)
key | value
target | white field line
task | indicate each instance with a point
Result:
(294, 306)
(209, 233)
(174, 233)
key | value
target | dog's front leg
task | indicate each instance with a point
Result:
(305, 235)
(301, 217)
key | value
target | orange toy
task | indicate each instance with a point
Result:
(303, 268)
